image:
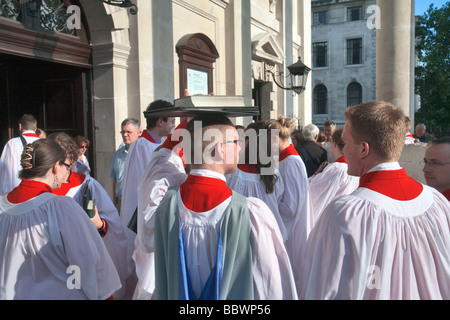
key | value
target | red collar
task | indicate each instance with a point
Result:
(202, 194)
(75, 180)
(289, 151)
(26, 190)
(446, 194)
(394, 184)
(341, 160)
(148, 136)
(249, 168)
(30, 134)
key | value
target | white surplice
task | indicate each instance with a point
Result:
(137, 160)
(330, 184)
(370, 246)
(250, 185)
(272, 273)
(10, 161)
(295, 206)
(48, 246)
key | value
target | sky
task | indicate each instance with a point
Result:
(422, 5)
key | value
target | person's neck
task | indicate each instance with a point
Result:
(155, 132)
(284, 144)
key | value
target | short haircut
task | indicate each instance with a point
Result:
(381, 125)
(310, 131)
(329, 123)
(155, 105)
(219, 122)
(135, 122)
(28, 122)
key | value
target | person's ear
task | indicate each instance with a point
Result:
(365, 149)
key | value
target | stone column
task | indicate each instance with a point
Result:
(394, 41)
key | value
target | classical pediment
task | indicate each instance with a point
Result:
(265, 48)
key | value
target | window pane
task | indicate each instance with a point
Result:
(354, 94)
(354, 51)
(320, 18)
(320, 52)
(354, 13)
(320, 99)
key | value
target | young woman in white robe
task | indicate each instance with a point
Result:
(248, 179)
(333, 181)
(49, 247)
(272, 273)
(112, 232)
(295, 206)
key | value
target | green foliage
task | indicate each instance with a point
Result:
(433, 74)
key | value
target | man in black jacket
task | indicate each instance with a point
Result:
(311, 153)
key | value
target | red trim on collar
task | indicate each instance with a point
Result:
(30, 134)
(289, 151)
(171, 144)
(446, 194)
(394, 184)
(248, 168)
(202, 194)
(341, 160)
(75, 180)
(148, 136)
(26, 190)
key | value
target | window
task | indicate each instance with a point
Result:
(320, 52)
(354, 51)
(354, 94)
(320, 17)
(354, 13)
(320, 99)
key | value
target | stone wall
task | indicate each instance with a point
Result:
(412, 160)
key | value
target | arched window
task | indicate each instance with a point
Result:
(354, 94)
(320, 99)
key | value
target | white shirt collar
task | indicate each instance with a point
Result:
(386, 166)
(207, 173)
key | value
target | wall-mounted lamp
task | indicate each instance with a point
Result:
(298, 74)
(123, 4)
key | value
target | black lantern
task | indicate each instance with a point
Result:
(123, 4)
(299, 76)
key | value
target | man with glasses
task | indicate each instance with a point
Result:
(436, 167)
(225, 245)
(131, 131)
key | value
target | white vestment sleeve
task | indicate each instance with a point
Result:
(272, 273)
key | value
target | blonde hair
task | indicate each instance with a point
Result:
(380, 124)
(285, 126)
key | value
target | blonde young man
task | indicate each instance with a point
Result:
(390, 238)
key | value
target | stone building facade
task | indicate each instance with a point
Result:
(115, 63)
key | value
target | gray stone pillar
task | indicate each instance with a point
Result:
(394, 41)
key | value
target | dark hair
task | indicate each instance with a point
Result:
(269, 180)
(68, 144)
(80, 139)
(329, 123)
(337, 138)
(157, 104)
(28, 122)
(39, 157)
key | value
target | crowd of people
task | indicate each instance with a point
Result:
(210, 210)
